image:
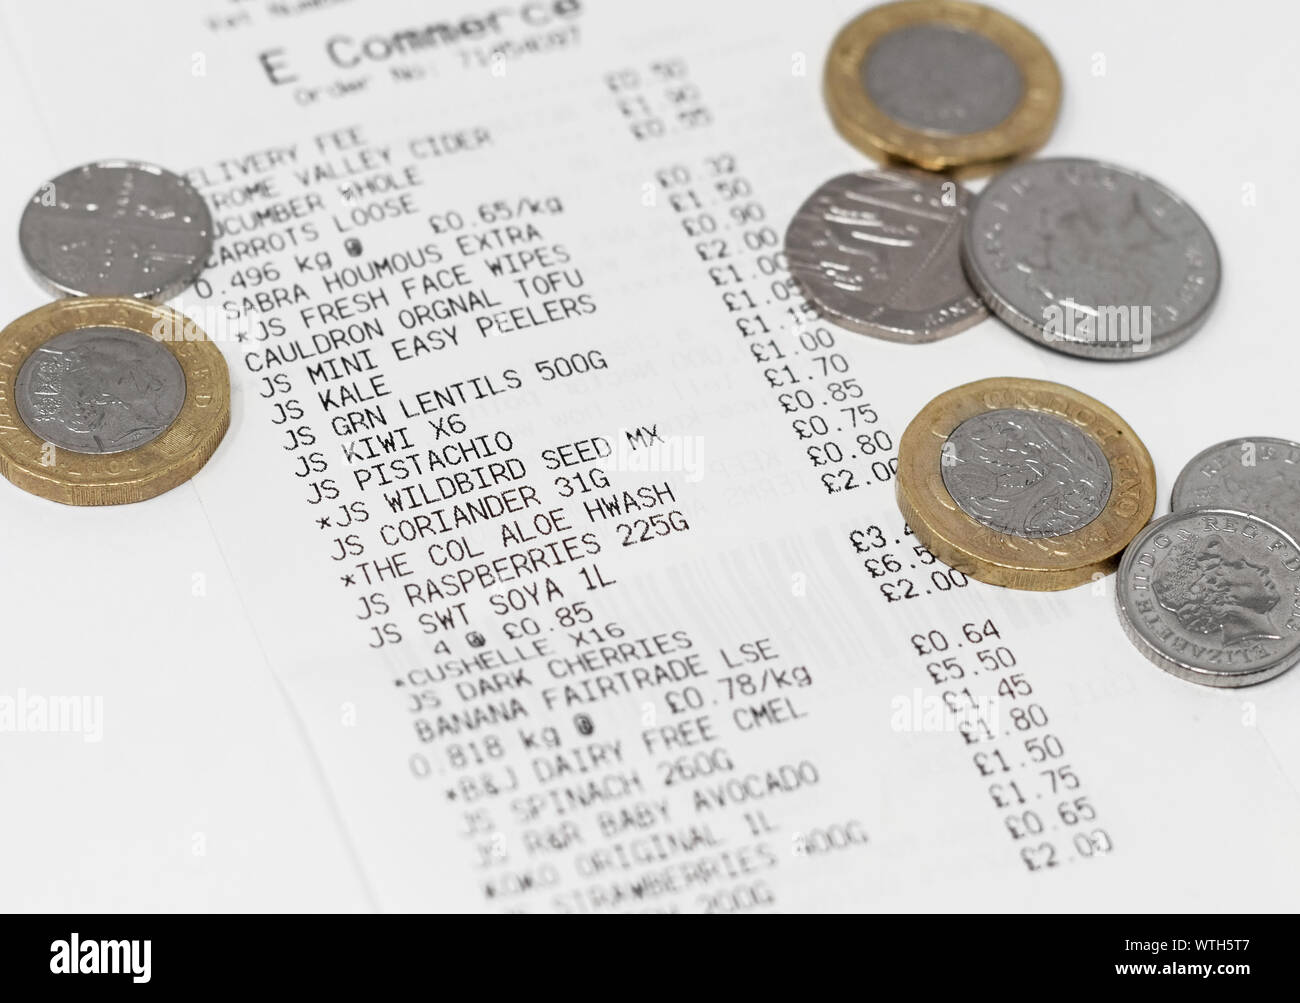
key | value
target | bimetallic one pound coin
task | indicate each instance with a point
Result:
(1024, 483)
(1213, 596)
(1091, 259)
(1256, 475)
(878, 252)
(116, 228)
(104, 401)
(941, 83)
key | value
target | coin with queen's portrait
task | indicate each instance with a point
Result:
(1213, 596)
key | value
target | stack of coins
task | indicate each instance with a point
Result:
(1080, 256)
(1023, 483)
(1211, 592)
(105, 396)
(1033, 485)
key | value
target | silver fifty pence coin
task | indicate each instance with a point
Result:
(1257, 475)
(1091, 259)
(1025, 473)
(877, 252)
(1213, 596)
(99, 390)
(116, 228)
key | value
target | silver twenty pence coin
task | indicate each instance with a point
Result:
(1256, 475)
(878, 252)
(941, 79)
(1091, 259)
(1025, 473)
(99, 390)
(116, 228)
(1213, 596)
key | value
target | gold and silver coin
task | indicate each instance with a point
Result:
(1213, 596)
(879, 252)
(116, 228)
(108, 400)
(1024, 483)
(941, 83)
(1258, 475)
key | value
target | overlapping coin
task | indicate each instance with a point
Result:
(1213, 596)
(878, 252)
(1091, 259)
(1024, 483)
(108, 400)
(116, 228)
(941, 83)
(1259, 475)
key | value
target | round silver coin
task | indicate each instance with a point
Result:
(1213, 596)
(1025, 473)
(1091, 259)
(116, 228)
(99, 390)
(940, 79)
(878, 252)
(1257, 475)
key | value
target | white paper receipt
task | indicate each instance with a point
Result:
(569, 528)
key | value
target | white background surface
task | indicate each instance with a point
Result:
(201, 751)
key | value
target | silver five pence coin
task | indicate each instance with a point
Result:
(1213, 596)
(1091, 259)
(116, 228)
(877, 252)
(1256, 475)
(99, 390)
